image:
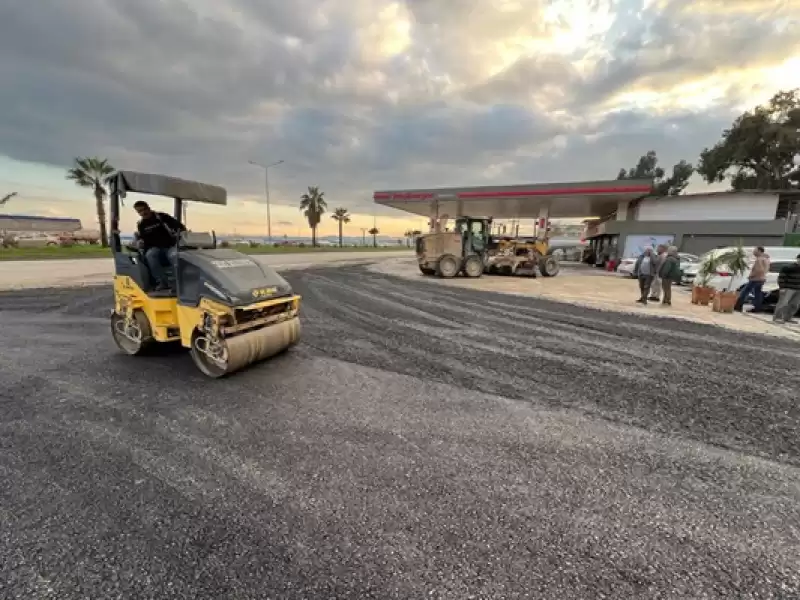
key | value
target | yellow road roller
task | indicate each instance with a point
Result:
(228, 309)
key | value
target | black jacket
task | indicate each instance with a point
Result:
(670, 268)
(789, 277)
(159, 231)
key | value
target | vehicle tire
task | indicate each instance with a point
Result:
(205, 364)
(426, 270)
(142, 331)
(549, 266)
(52, 244)
(473, 266)
(448, 266)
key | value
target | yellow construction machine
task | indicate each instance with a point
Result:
(226, 308)
(470, 249)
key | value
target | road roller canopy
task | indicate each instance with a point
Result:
(171, 187)
(526, 201)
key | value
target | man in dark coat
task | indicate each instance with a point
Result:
(669, 271)
(789, 294)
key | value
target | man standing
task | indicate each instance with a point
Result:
(755, 281)
(669, 272)
(658, 260)
(644, 271)
(157, 236)
(789, 298)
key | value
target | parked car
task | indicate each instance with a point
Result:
(627, 265)
(27, 239)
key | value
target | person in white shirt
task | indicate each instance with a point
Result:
(658, 259)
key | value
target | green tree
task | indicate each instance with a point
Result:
(93, 172)
(313, 206)
(758, 149)
(374, 233)
(341, 216)
(647, 168)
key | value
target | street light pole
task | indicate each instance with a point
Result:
(266, 190)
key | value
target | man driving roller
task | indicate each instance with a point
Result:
(157, 232)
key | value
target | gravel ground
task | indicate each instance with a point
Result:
(420, 443)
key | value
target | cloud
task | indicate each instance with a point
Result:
(356, 95)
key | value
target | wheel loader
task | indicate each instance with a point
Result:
(227, 309)
(471, 250)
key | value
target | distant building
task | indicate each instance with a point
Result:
(20, 223)
(696, 223)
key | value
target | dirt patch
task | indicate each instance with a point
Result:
(605, 291)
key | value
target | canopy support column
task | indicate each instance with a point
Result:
(543, 224)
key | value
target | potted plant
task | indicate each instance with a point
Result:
(702, 293)
(737, 264)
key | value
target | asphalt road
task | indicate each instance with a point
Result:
(420, 443)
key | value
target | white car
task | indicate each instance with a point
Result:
(723, 279)
(627, 265)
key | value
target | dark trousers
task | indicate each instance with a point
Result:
(645, 281)
(758, 295)
(157, 260)
(666, 288)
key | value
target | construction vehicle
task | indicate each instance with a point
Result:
(229, 310)
(470, 249)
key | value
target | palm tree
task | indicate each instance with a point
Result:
(93, 172)
(374, 233)
(313, 206)
(7, 197)
(340, 215)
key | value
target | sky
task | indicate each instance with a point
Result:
(359, 95)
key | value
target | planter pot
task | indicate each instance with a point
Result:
(702, 295)
(724, 302)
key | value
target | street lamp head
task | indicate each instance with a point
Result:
(257, 164)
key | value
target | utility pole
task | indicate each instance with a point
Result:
(266, 190)
(363, 236)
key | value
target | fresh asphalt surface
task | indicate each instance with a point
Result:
(421, 442)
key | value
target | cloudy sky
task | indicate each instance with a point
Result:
(357, 95)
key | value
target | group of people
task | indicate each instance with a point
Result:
(657, 271)
(788, 287)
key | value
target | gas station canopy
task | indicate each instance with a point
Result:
(560, 200)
